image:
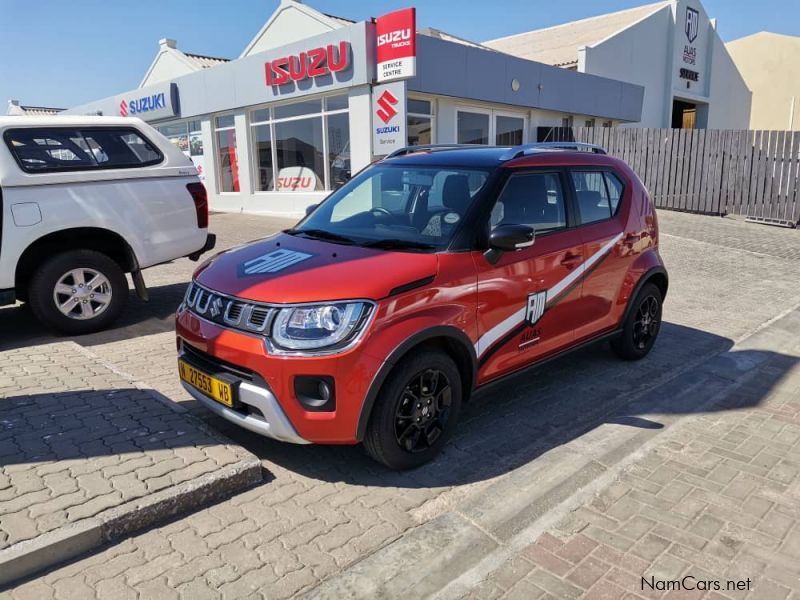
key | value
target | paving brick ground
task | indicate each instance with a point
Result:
(77, 439)
(325, 508)
(717, 500)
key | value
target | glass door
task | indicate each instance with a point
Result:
(483, 126)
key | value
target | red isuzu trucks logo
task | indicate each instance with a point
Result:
(309, 64)
(396, 43)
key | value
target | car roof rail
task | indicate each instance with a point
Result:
(431, 148)
(525, 149)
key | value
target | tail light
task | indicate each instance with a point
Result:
(198, 192)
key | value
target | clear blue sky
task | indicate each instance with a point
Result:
(65, 52)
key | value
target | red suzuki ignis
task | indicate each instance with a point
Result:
(429, 275)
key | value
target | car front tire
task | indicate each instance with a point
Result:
(416, 411)
(641, 326)
(78, 292)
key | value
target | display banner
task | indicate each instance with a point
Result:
(389, 123)
(396, 39)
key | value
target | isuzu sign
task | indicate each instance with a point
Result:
(396, 40)
(309, 64)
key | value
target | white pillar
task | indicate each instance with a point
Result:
(360, 127)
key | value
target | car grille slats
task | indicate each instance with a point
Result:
(228, 311)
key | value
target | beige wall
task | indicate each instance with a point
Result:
(770, 66)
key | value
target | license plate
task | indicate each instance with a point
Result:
(212, 387)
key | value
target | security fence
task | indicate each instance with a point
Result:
(711, 171)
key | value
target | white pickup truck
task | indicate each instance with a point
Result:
(84, 200)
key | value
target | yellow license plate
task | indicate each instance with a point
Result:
(210, 386)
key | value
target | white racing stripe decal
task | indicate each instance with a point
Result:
(504, 327)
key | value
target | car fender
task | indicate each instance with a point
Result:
(426, 328)
(644, 268)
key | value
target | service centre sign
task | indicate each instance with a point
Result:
(396, 38)
(389, 128)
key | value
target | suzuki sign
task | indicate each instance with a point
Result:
(396, 39)
(389, 128)
(150, 103)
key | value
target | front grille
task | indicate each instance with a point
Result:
(212, 364)
(228, 311)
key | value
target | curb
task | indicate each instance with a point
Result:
(68, 542)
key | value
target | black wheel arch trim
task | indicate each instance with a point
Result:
(644, 279)
(437, 332)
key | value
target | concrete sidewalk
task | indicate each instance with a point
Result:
(704, 481)
(87, 456)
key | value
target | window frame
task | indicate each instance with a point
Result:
(81, 168)
(215, 129)
(567, 191)
(604, 170)
(430, 116)
(271, 121)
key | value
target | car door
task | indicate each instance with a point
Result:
(603, 203)
(527, 299)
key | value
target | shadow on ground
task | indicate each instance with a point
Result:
(21, 329)
(527, 415)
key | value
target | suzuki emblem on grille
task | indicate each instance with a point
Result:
(216, 307)
(272, 262)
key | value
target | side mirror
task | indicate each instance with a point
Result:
(508, 238)
(311, 208)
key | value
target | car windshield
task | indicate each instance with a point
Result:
(411, 208)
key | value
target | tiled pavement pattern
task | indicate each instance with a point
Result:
(718, 499)
(77, 439)
(327, 507)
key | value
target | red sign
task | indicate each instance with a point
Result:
(313, 63)
(386, 110)
(396, 39)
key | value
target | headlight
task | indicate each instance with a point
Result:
(319, 326)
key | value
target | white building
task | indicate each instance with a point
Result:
(274, 146)
(670, 48)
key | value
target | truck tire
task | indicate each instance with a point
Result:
(641, 327)
(416, 411)
(78, 292)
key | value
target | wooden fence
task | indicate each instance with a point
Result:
(710, 171)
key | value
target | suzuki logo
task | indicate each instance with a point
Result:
(216, 307)
(692, 24)
(123, 109)
(387, 111)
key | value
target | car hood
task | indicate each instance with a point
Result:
(291, 269)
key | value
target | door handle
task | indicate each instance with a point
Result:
(570, 261)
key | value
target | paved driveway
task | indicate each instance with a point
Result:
(324, 508)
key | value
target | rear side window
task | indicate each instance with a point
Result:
(598, 194)
(53, 149)
(533, 199)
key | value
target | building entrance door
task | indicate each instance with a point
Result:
(684, 115)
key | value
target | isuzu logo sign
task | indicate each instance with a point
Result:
(310, 64)
(396, 45)
(692, 24)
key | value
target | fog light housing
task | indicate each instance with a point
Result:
(315, 392)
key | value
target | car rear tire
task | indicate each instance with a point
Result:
(641, 326)
(416, 411)
(78, 292)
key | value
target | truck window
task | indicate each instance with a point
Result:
(53, 149)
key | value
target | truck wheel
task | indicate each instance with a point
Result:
(77, 292)
(641, 326)
(416, 411)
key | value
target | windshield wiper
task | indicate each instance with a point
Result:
(320, 234)
(392, 244)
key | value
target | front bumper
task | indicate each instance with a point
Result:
(269, 383)
(265, 417)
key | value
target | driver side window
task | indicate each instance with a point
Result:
(533, 199)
